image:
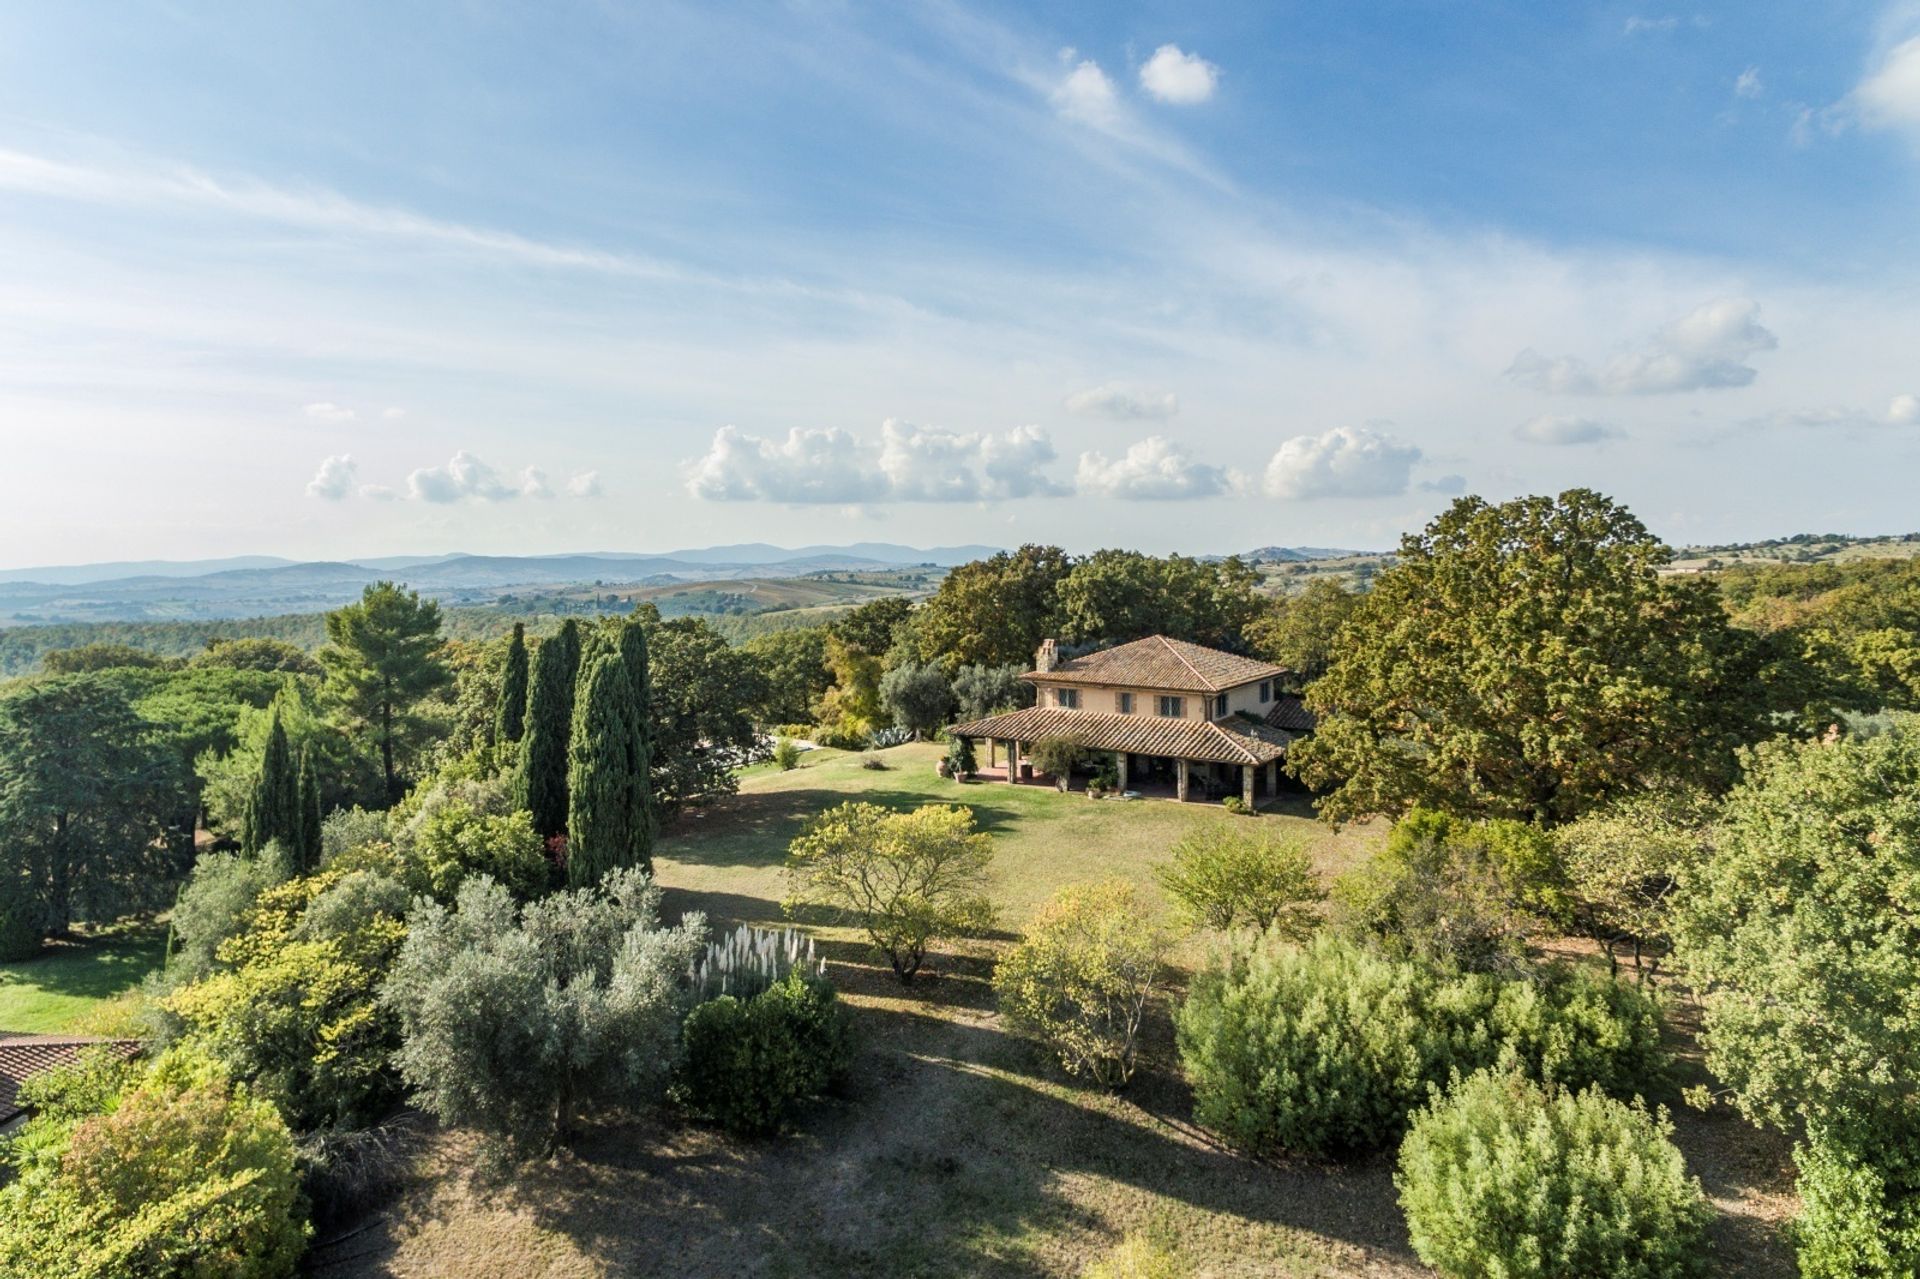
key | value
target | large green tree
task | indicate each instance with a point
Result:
(382, 658)
(794, 674)
(873, 627)
(994, 611)
(639, 792)
(91, 803)
(1302, 632)
(511, 720)
(605, 742)
(540, 784)
(1114, 596)
(1529, 660)
(1801, 928)
(703, 692)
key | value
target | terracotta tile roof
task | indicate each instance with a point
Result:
(24, 1056)
(1159, 662)
(1291, 714)
(1230, 741)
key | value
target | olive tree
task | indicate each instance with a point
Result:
(515, 1018)
(1223, 874)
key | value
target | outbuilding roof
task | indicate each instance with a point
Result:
(1230, 741)
(24, 1056)
(1161, 663)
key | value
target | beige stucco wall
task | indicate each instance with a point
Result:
(1101, 698)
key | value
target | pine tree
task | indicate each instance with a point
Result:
(633, 653)
(600, 787)
(540, 787)
(306, 841)
(510, 720)
(273, 809)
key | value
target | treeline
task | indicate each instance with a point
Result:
(23, 648)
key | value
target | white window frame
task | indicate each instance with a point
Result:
(1067, 699)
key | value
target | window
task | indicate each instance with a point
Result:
(1124, 702)
(1173, 707)
(1266, 691)
(1067, 697)
(1220, 706)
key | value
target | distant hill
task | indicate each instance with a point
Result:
(1297, 554)
(264, 585)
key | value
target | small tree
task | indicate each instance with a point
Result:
(1057, 756)
(513, 1019)
(1223, 874)
(961, 762)
(1500, 1177)
(307, 834)
(988, 690)
(273, 809)
(907, 879)
(382, 657)
(786, 754)
(1082, 977)
(1622, 868)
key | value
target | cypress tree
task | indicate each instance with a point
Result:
(600, 831)
(510, 719)
(540, 786)
(273, 809)
(307, 791)
(633, 653)
(569, 637)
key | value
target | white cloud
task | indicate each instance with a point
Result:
(533, 483)
(584, 484)
(1705, 349)
(334, 479)
(1155, 469)
(1890, 95)
(1904, 410)
(393, 413)
(1445, 485)
(1348, 461)
(1173, 76)
(327, 411)
(464, 476)
(1748, 84)
(378, 493)
(1636, 25)
(1124, 403)
(1088, 95)
(1552, 428)
(911, 464)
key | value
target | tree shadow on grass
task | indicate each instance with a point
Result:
(97, 966)
(954, 1149)
(754, 828)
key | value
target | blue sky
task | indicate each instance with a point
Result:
(362, 278)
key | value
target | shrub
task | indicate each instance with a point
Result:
(1500, 1177)
(786, 754)
(749, 1060)
(1456, 892)
(1860, 1208)
(451, 843)
(292, 1010)
(1056, 756)
(349, 828)
(907, 879)
(1325, 1049)
(1081, 978)
(1320, 1050)
(1222, 875)
(513, 1018)
(748, 960)
(212, 906)
(1623, 867)
(185, 1174)
(1237, 806)
(872, 762)
(961, 762)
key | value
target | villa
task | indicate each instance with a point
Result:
(1178, 719)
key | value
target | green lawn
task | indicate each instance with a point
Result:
(727, 861)
(70, 981)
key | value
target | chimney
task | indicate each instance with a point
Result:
(1048, 657)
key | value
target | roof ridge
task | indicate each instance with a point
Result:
(1167, 642)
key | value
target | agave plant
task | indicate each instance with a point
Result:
(882, 738)
(748, 960)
